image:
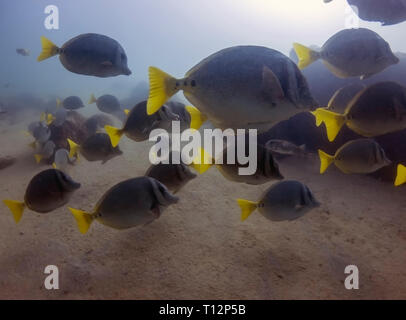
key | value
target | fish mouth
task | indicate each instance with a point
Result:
(127, 72)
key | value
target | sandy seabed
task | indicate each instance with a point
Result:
(199, 248)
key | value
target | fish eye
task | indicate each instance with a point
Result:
(193, 83)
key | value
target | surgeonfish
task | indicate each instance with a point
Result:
(376, 110)
(89, 54)
(240, 87)
(357, 156)
(350, 53)
(283, 201)
(48, 190)
(128, 204)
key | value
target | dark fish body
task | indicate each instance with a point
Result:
(98, 148)
(286, 200)
(342, 98)
(133, 202)
(233, 90)
(357, 52)
(49, 190)
(173, 176)
(139, 124)
(97, 122)
(388, 12)
(379, 109)
(179, 109)
(89, 54)
(267, 167)
(73, 103)
(285, 148)
(108, 104)
(42, 133)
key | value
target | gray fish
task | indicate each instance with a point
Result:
(71, 103)
(95, 148)
(48, 190)
(46, 151)
(239, 88)
(388, 12)
(285, 148)
(357, 156)
(342, 98)
(23, 52)
(351, 53)
(62, 160)
(173, 176)
(284, 201)
(139, 124)
(189, 116)
(97, 122)
(33, 125)
(89, 54)
(377, 110)
(42, 133)
(128, 204)
(267, 169)
(109, 104)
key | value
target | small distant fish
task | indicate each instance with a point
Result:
(240, 87)
(360, 156)
(71, 103)
(388, 12)
(351, 53)
(42, 133)
(267, 167)
(285, 148)
(173, 176)
(95, 148)
(377, 110)
(48, 190)
(46, 152)
(139, 124)
(284, 201)
(89, 54)
(109, 104)
(341, 99)
(128, 204)
(62, 160)
(23, 52)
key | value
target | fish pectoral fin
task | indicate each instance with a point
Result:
(156, 211)
(83, 219)
(271, 85)
(16, 208)
(247, 207)
(366, 76)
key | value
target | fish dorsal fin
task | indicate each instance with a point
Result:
(271, 85)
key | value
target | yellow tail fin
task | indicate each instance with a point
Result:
(73, 148)
(42, 117)
(318, 118)
(202, 162)
(58, 102)
(114, 134)
(92, 99)
(306, 55)
(16, 208)
(127, 111)
(333, 121)
(247, 207)
(325, 161)
(54, 165)
(196, 117)
(38, 158)
(50, 119)
(49, 49)
(401, 175)
(162, 86)
(83, 219)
